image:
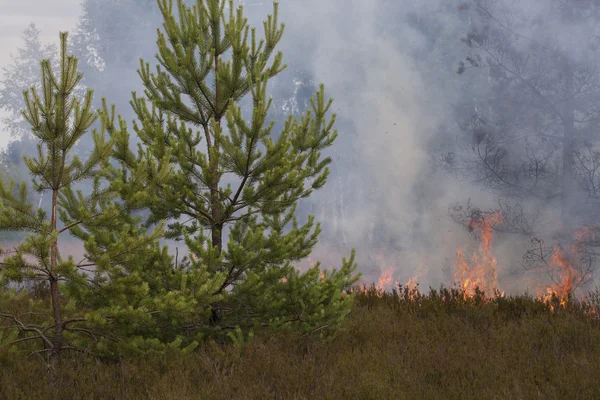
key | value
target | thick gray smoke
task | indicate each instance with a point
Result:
(396, 89)
(391, 68)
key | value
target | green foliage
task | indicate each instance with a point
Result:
(226, 183)
(438, 345)
(112, 237)
(238, 339)
(125, 297)
(22, 73)
(7, 336)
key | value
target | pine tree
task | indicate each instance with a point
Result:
(67, 289)
(229, 178)
(22, 73)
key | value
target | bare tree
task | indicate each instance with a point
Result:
(535, 140)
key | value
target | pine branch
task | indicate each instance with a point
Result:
(29, 328)
(71, 225)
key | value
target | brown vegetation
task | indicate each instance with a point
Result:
(436, 346)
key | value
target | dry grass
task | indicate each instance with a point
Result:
(391, 347)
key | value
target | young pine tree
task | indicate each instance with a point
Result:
(233, 184)
(56, 319)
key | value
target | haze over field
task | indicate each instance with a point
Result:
(415, 137)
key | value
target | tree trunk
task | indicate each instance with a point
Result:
(217, 225)
(217, 229)
(54, 293)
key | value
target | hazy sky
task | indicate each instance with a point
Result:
(50, 17)
(391, 66)
(381, 92)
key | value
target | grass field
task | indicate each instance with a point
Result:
(406, 346)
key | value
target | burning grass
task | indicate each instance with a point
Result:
(401, 345)
(569, 267)
(470, 341)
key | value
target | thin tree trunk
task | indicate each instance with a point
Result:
(54, 293)
(217, 228)
(217, 225)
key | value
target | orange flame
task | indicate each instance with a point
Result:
(481, 270)
(385, 279)
(566, 273)
(568, 276)
(411, 284)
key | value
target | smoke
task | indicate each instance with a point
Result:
(49, 17)
(379, 69)
(391, 68)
